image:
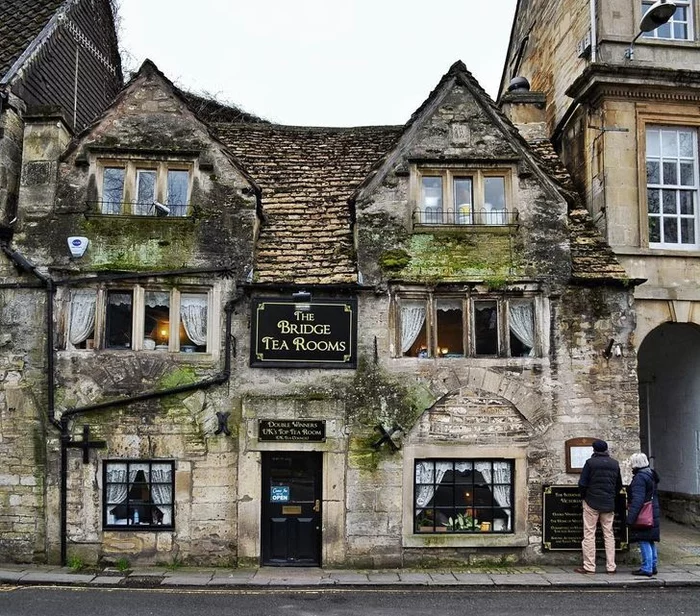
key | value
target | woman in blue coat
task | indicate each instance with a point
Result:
(642, 489)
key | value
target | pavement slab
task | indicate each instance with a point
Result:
(106, 580)
(41, 577)
(186, 580)
(474, 579)
(519, 579)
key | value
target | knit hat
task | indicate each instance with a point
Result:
(600, 446)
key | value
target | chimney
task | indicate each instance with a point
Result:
(525, 109)
(46, 136)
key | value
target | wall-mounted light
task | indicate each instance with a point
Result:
(302, 301)
(656, 16)
(614, 349)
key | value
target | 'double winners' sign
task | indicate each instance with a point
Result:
(316, 334)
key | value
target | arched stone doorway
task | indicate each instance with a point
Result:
(669, 396)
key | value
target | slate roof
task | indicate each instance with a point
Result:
(306, 176)
(21, 21)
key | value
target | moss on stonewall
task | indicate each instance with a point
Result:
(394, 260)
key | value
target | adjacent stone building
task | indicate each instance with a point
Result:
(625, 119)
(59, 69)
(300, 346)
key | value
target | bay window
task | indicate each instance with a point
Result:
(450, 326)
(141, 319)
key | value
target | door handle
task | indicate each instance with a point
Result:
(317, 506)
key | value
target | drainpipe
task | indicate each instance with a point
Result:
(219, 379)
(594, 34)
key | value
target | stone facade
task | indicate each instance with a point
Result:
(251, 211)
(601, 105)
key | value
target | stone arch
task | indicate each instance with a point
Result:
(499, 382)
(669, 391)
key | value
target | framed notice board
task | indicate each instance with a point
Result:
(562, 519)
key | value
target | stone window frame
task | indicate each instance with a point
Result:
(138, 339)
(654, 35)
(464, 451)
(461, 518)
(468, 298)
(675, 119)
(130, 525)
(477, 216)
(132, 165)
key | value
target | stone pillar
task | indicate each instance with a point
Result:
(526, 110)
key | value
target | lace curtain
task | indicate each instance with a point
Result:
(193, 311)
(82, 317)
(521, 316)
(412, 319)
(117, 485)
(161, 486)
(500, 476)
(155, 299)
(432, 473)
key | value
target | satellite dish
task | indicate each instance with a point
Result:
(657, 15)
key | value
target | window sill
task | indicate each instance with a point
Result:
(165, 219)
(637, 251)
(177, 356)
(466, 229)
(464, 540)
(137, 529)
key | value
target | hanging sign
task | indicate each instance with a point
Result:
(314, 334)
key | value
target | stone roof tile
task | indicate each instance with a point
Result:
(306, 175)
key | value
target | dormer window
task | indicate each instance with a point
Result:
(463, 197)
(142, 188)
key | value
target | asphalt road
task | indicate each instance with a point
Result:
(50, 601)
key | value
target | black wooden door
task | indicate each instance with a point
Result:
(291, 508)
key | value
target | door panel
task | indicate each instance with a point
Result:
(291, 508)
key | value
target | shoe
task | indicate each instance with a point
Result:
(642, 573)
(613, 572)
(654, 571)
(584, 571)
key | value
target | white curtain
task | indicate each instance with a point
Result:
(412, 319)
(155, 299)
(82, 317)
(193, 311)
(521, 317)
(449, 304)
(501, 475)
(429, 473)
(117, 485)
(161, 486)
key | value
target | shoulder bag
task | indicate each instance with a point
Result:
(645, 519)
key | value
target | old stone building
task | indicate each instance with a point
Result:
(266, 344)
(59, 66)
(624, 118)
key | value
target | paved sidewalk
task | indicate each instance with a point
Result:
(272, 577)
(679, 565)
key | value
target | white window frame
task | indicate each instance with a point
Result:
(662, 188)
(432, 300)
(476, 214)
(690, 15)
(132, 171)
(138, 340)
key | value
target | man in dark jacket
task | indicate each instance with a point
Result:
(599, 484)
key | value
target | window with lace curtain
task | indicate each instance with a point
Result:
(463, 496)
(448, 326)
(138, 494)
(140, 318)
